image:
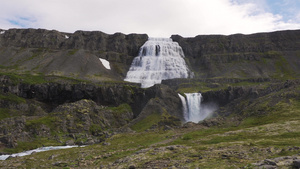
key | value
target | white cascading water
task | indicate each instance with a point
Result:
(184, 107)
(192, 110)
(158, 59)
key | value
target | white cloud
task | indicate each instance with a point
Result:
(154, 17)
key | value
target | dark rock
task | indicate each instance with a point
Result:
(210, 122)
(60, 164)
(269, 162)
(132, 167)
(224, 156)
(171, 148)
(296, 163)
(189, 125)
(10, 157)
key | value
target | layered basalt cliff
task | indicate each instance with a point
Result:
(70, 54)
(273, 55)
(262, 55)
(92, 41)
(77, 111)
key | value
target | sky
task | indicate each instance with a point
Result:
(157, 18)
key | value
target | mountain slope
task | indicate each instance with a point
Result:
(65, 54)
(55, 91)
(267, 55)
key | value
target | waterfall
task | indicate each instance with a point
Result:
(184, 107)
(192, 108)
(158, 59)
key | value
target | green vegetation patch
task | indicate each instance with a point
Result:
(283, 70)
(156, 120)
(47, 120)
(4, 113)
(147, 122)
(72, 52)
(27, 78)
(123, 108)
(12, 98)
(37, 53)
(265, 114)
(94, 129)
(193, 87)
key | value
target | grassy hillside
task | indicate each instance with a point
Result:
(252, 130)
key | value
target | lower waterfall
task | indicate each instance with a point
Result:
(184, 107)
(193, 110)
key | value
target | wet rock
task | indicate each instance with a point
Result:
(10, 157)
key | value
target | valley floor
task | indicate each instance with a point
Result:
(191, 146)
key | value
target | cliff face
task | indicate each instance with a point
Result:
(79, 110)
(92, 41)
(273, 55)
(267, 55)
(67, 54)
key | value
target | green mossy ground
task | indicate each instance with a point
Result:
(269, 128)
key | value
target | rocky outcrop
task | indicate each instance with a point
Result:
(12, 130)
(280, 162)
(107, 94)
(165, 102)
(81, 122)
(82, 111)
(80, 116)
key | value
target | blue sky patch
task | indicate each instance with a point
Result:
(288, 9)
(22, 22)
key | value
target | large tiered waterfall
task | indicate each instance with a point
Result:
(192, 108)
(158, 59)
